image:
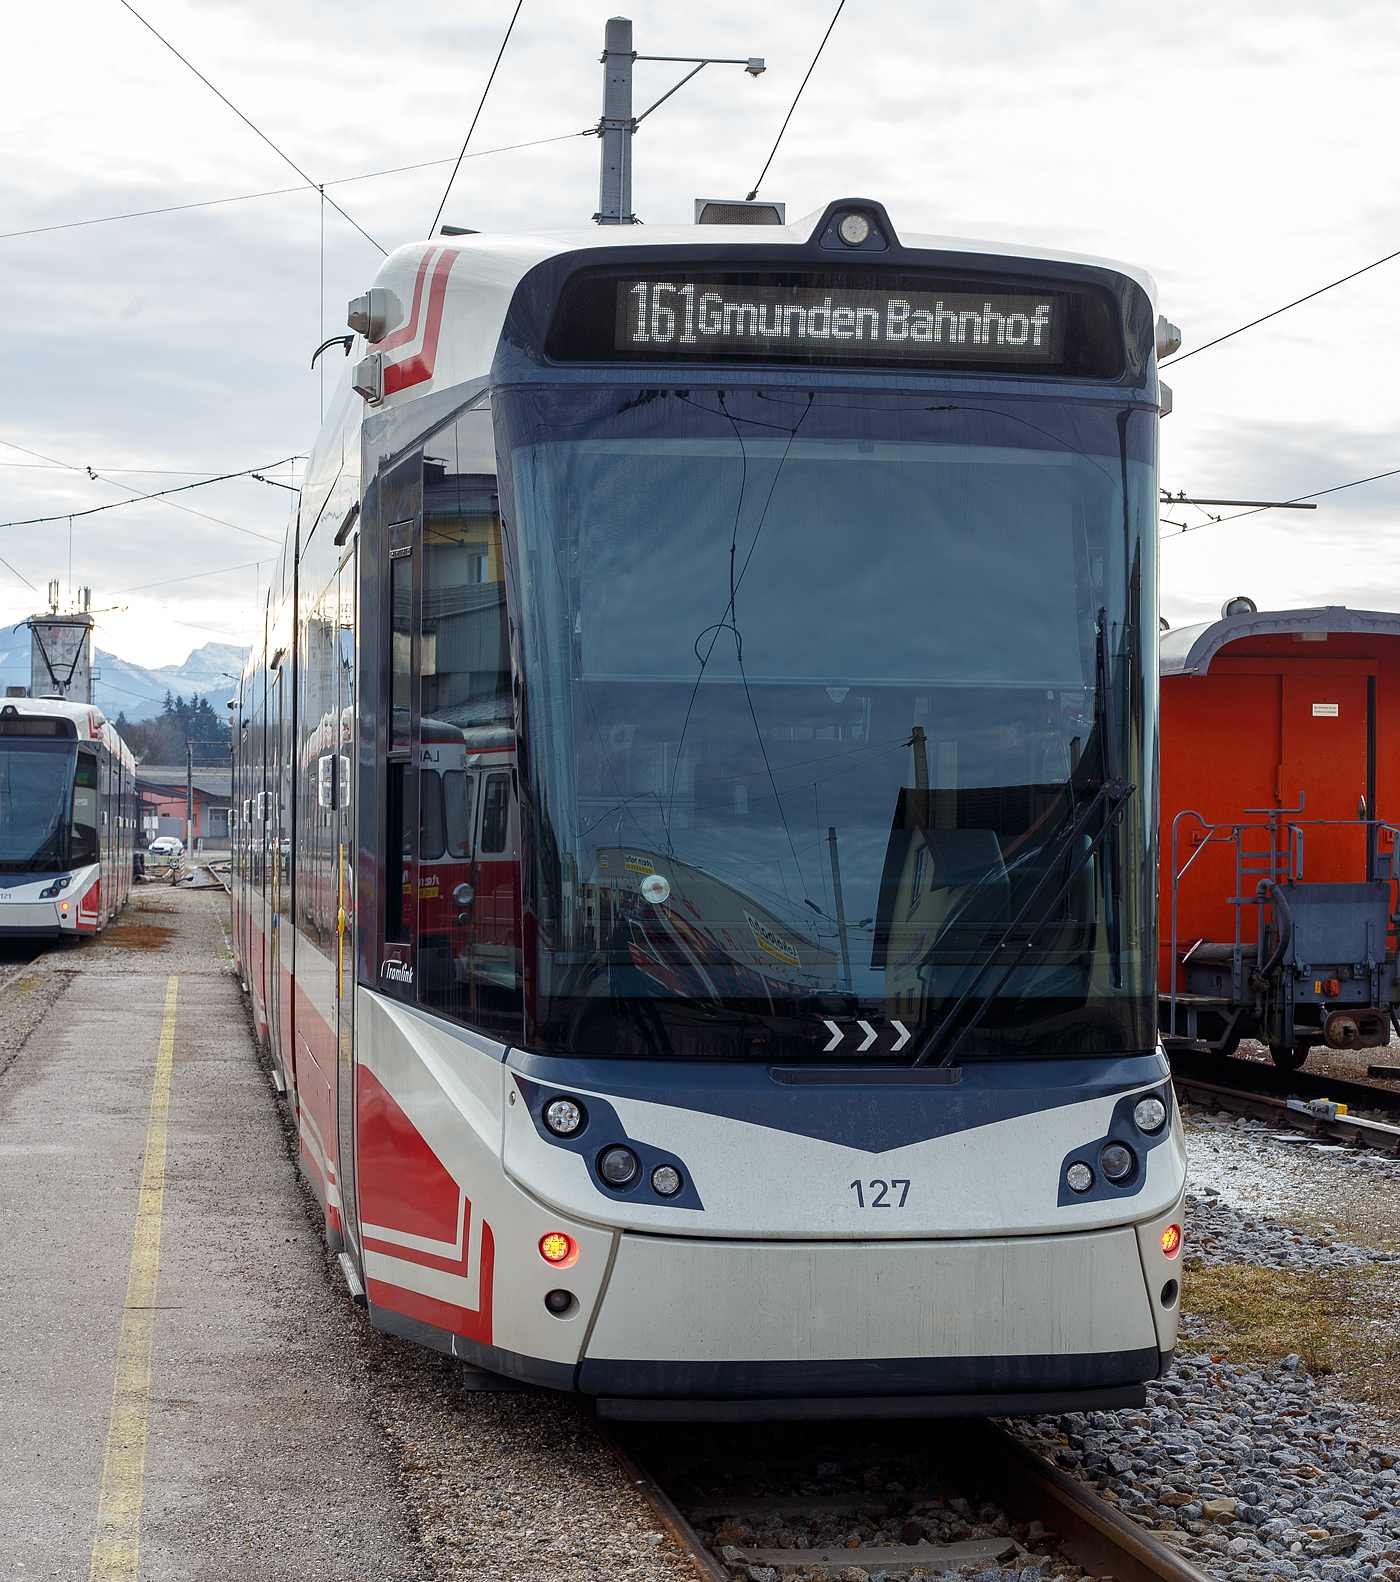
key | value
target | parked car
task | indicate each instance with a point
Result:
(166, 846)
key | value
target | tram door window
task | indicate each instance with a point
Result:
(392, 577)
(467, 889)
(84, 847)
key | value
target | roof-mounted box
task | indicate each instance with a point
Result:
(738, 211)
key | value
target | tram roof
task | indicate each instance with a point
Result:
(1189, 650)
(525, 249)
(86, 716)
(461, 287)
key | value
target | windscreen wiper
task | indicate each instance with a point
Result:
(1111, 797)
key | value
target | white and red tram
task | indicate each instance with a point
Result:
(697, 784)
(68, 815)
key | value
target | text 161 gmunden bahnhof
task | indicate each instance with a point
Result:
(668, 315)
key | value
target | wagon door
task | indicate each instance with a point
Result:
(1324, 762)
(1220, 755)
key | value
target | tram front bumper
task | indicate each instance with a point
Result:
(30, 917)
(978, 1319)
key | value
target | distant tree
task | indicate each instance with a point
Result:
(162, 740)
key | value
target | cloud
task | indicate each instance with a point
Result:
(1232, 153)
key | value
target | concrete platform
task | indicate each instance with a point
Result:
(263, 1454)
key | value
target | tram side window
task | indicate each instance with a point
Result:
(85, 786)
(432, 839)
(401, 629)
(495, 813)
(465, 663)
(397, 876)
(458, 790)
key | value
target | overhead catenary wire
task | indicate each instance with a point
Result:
(1315, 495)
(1265, 317)
(432, 229)
(174, 505)
(194, 576)
(285, 157)
(281, 192)
(159, 494)
(25, 580)
(783, 128)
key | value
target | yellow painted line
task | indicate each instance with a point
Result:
(117, 1545)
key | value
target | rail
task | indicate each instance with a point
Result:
(1317, 1106)
(1047, 1507)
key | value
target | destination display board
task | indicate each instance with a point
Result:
(824, 317)
(762, 320)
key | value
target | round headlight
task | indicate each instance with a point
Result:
(618, 1166)
(1150, 1115)
(563, 1117)
(666, 1180)
(1116, 1161)
(854, 229)
(655, 888)
(1079, 1177)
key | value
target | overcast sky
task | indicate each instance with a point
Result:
(1243, 154)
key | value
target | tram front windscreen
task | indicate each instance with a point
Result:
(36, 804)
(821, 692)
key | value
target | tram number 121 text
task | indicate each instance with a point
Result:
(880, 1193)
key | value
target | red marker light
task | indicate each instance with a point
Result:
(1171, 1240)
(558, 1249)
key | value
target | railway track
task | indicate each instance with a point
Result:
(1358, 1113)
(902, 1499)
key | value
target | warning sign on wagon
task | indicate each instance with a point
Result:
(1327, 710)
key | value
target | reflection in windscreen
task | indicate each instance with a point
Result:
(762, 664)
(35, 797)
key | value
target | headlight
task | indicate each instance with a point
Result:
(563, 1117)
(1116, 1161)
(618, 1166)
(1079, 1177)
(666, 1180)
(1150, 1115)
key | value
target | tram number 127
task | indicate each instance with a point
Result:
(880, 1198)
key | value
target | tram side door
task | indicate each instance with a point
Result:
(279, 876)
(344, 829)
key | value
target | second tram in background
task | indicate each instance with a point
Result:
(68, 812)
(697, 863)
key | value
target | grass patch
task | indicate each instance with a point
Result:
(1335, 1320)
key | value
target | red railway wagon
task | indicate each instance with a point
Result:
(1280, 767)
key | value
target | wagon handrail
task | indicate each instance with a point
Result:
(1177, 874)
(1292, 855)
